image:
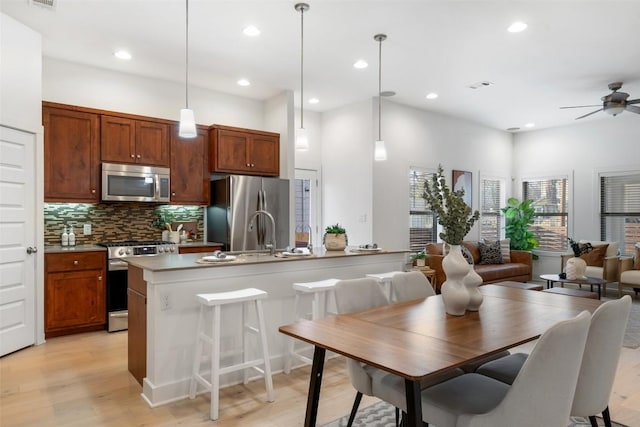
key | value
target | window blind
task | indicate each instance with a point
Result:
(620, 210)
(422, 221)
(550, 200)
(491, 222)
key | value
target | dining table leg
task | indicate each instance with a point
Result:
(314, 387)
(414, 403)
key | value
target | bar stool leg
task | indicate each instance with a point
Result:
(245, 339)
(291, 342)
(215, 364)
(197, 357)
(265, 352)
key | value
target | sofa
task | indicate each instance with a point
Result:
(518, 269)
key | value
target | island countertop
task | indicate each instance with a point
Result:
(193, 261)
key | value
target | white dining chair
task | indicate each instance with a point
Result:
(411, 285)
(541, 394)
(599, 363)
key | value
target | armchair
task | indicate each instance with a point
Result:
(629, 272)
(609, 269)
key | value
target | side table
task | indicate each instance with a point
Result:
(429, 273)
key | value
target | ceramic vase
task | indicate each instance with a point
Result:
(471, 281)
(454, 293)
(575, 268)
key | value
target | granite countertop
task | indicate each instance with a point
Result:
(51, 249)
(189, 261)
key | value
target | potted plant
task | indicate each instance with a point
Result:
(160, 221)
(419, 258)
(335, 238)
(460, 289)
(519, 216)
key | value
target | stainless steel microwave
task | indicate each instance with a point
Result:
(134, 183)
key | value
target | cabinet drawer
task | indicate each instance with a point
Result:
(198, 249)
(75, 261)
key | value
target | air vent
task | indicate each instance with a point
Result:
(478, 85)
(513, 129)
(47, 4)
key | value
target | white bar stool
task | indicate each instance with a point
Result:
(320, 291)
(215, 301)
(385, 281)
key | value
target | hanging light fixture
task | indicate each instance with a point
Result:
(302, 139)
(380, 151)
(187, 128)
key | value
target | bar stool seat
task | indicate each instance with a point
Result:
(215, 301)
(321, 290)
(385, 281)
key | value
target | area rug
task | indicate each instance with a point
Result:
(632, 333)
(382, 414)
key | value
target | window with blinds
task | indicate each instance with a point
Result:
(620, 210)
(551, 202)
(422, 221)
(492, 198)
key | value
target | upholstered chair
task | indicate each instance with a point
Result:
(541, 394)
(599, 363)
(603, 267)
(629, 272)
(411, 285)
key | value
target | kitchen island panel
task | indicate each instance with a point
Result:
(172, 309)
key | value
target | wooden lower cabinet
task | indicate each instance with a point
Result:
(75, 293)
(137, 335)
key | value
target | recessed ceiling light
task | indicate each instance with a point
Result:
(251, 31)
(360, 64)
(122, 54)
(314, 101)
(432, 95)
(529, 125)
(244, 82)
(516, 27)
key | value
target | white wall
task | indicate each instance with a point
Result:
(582, 151)
(76, 84)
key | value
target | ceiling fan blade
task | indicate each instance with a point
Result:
(633, 109)
(581, 106)
(587, 115)
(634, 101)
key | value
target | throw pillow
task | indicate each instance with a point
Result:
(466, 253)
(595, 257)
(490, 253)
(505, 249)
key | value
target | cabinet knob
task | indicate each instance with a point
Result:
(93, 191)
(133, 156)
(138, 156)
(75, 262)
(173, 194)
(252, 165)
(248, 164)
(99, 277)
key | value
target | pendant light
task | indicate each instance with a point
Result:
(380, 151)
(187, 128)
(302, 139)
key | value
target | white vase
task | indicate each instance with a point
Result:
(575, 268)
(471, 281)
(454, 293)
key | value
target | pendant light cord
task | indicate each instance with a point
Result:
(186, 73)
(380, 90)
(301, 68)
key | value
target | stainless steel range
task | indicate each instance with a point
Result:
(117, 313)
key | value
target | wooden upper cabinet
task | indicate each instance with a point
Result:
(245, 151)
(189, 168)
(125, 140)
(71, 155)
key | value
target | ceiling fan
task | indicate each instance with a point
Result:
(614, 103)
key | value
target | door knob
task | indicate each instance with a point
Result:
(32, 250)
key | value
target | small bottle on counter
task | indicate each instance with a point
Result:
(64, 239)
(72, 237)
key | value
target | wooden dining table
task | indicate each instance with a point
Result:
(417, 339)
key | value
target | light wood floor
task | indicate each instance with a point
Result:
(82, 380)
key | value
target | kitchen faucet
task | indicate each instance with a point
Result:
(310, 242)
(271, 246)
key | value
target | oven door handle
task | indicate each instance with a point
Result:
(117, 265)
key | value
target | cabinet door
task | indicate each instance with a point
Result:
(230, 151)
(117, 137)
(152, 143)
(189, 168)
(71, 155)
(264, 158)
(137, 335)
(198, 249)
(74, 299)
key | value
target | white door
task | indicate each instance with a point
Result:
(17, 240)
(307, 192)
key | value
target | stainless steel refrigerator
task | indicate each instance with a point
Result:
(234, 199)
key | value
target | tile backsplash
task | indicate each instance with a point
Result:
(115, 221)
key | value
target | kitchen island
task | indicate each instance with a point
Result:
(163, 309)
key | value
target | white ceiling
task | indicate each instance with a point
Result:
(569, 53)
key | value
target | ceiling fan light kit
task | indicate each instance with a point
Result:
(614, 103)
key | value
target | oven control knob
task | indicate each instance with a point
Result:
(128, 251)
(121, 252)
(161, 249)
(173, 248)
